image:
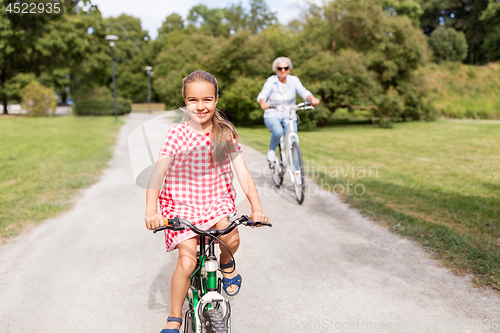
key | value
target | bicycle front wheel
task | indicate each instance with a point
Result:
(277, 168)
(298, 170)
(214, 322)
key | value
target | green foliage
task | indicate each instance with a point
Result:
(340, 80)
(131, 56)
(448, 44)
(491, 17)
(38, 100)
(13, 88)
(410, 8)
(100, 102)
(464, 91)
(238, 101)
(463, 16)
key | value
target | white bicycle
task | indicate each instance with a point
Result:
(288, 156)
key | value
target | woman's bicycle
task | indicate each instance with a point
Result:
(209, 311)
(288, 156)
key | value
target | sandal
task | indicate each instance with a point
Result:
(170, 330)
(226, 282)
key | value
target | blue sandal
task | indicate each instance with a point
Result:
(226, 282)
(172, 330)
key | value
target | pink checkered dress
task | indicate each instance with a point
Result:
(194, 189)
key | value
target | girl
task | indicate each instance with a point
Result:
(198, 186)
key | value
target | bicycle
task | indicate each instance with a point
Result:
(289, 157)
(209, 311)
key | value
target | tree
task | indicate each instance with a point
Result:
(382, 50)
(260, 16)
(448, 44)
(409, 8)
(209, 21)
(491, 17)
(172, 23)
(130, 57)
(463, 16)
(50, 52)
(236, 17)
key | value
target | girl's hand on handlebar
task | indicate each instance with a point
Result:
(315, 101)
(154, 220)
(265, 105)
(259, 217)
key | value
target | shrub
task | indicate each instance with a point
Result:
(100, 102)
(448, 44)
(38, 99)
(239, 101)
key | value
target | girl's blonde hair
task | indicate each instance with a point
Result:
(224, 137)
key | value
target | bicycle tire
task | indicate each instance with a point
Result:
(214, 322)
(298, 188)
(277, 171)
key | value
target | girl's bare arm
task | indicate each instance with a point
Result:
(152, 218)
(248, 186)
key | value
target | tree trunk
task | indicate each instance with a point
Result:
(4, 99)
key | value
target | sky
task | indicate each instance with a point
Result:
(153, 12)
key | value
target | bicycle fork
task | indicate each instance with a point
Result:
(209, 269)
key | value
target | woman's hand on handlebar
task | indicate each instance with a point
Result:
(314, 101)
(264, 105)
(154, 220)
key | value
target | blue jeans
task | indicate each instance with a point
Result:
(278, 128)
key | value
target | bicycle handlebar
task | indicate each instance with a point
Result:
(178, 224)
(302, 106)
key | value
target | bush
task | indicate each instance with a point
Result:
(448, 44)
(103, 107)
(100, 102)
(38, 99)
(239, 102)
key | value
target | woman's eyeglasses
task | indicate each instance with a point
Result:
(283, 68)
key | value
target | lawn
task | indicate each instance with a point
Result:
(43, 163)
(436, 182)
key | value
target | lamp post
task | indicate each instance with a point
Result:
(150, 72)
(112, 39)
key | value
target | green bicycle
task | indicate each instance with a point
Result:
(209, 311)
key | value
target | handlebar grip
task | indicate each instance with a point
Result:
(252, 223)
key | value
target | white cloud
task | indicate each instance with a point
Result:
(153, 12)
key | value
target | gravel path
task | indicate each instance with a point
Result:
(321, 268)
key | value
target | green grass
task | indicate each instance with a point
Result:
(465, 91)
(43, 163)
(438, 183)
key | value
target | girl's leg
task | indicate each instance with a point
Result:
(180, 279)
(232, 241)
(274, 125)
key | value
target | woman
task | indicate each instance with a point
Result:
(281, 89)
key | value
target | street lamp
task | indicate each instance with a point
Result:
(112, 39)
(150, 72)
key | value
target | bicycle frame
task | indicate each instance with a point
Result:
(202, 300)
(286, 146)
(204, 290)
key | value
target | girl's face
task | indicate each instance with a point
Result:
(200, 102)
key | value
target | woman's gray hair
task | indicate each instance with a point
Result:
(281, 59)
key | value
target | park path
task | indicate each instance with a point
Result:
(321, 268)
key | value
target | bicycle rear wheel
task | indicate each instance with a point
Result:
(298, 169)
(277, 171)
(214, 322)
